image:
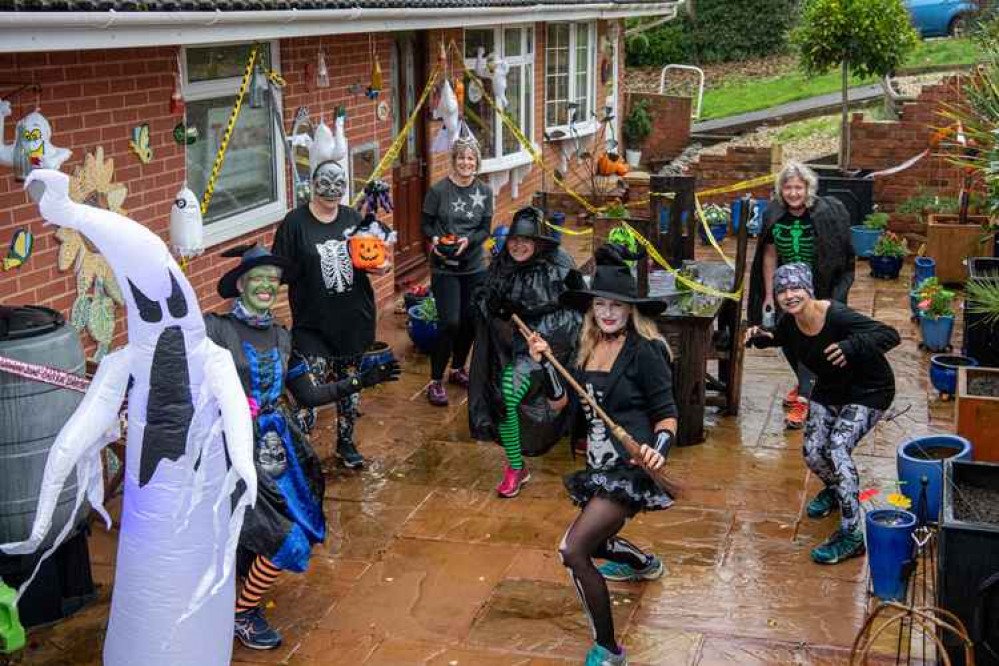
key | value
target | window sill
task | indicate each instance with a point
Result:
(582, 129)
(506, 162)
(244, 223)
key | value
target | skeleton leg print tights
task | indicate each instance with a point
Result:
(831, 435)
(347, 409)
(594, 534)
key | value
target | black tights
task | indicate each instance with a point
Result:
(594, 534)
(453, 298)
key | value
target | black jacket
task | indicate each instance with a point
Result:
(833, 270)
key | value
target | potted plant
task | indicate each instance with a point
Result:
(717, 219)
(981, 320)
(422, 325)
(936, 315)
(866, 235)
(636, 129)
(889, 253)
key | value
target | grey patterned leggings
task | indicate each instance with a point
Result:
(831, 435)
(348, 408)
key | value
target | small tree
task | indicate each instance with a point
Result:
(862, 37)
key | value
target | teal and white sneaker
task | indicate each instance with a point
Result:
(601, 656)
(840, 546)
(623, 573)
(823, 504)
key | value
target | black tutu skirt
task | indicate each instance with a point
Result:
(629, 485)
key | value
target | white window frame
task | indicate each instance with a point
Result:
(248, 221)
(521, 157)
(585, 126)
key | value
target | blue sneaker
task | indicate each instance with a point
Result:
(623, 573)
(840, 546)
(823, 504)
(601, 656)
(255, 632)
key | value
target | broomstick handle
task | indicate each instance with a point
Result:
(633, 448)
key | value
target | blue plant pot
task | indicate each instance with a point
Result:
(558, 219)
(379, 352)
(889, 549)
(886, 267)
(936, 332)
(943, 371)
(864, 240)
(717, 230)
(914, 303)
(758, 208)
(423, 333)
(924, 456)
(926, 267)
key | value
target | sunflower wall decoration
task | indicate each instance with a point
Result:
(97, 291)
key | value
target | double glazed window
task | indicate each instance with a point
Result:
(570, 64)
(515, 45)
(249, 190)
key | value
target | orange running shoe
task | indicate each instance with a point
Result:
(791, 397)
(797, 415)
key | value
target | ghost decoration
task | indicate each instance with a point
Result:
(448, 111)
(187, 229)
(481, 67)
(190, 442)
(501, 69)
(32, 147)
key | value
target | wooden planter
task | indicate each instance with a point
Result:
(978, 415)
(950, 243)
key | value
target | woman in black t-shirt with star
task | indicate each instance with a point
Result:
(854, 386)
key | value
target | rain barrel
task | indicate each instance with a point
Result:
(32, 413)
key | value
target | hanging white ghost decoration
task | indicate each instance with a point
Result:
(448, 111)
(32, 147)
(501, 69)
(481, 67)
(324, 146)
(174, 590)
(187, 229)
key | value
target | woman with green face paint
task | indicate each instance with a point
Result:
(278, 533)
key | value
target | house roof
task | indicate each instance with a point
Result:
(47, 25)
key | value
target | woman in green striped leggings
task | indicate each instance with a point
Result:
(505, 399)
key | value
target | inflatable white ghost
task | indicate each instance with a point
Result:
(33, 136)
(174, 591)
(187, 228)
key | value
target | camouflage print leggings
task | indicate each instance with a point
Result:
(831, 435)
(347, 409)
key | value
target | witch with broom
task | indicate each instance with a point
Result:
(623, 364)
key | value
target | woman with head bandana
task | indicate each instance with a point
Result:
(801, 227)
(332, 304)
(457, 219)
(526, 278)
(279, 531)
(854, 385)
(624, 363)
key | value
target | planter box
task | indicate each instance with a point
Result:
(950, 243)
(978, 415)
(969, 557)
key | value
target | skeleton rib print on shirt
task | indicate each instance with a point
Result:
(337, 269)
(600, 450)
(794, 241)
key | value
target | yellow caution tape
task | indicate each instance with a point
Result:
(742, 185)
(392, 153)
(230, 126)
(569, 232)
(687, 282)
(707, 231)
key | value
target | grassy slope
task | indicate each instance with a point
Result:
(743, 95)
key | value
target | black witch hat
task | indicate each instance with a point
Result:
(613, 280)
(529, 222)
(250, 256)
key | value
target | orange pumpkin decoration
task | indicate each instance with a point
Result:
(367, 253)
(611, 167)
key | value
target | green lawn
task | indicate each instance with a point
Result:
(741, 95)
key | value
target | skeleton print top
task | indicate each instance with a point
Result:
(602, 450)
(794, 239)
(330, 301)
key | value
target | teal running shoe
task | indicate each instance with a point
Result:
(623, 573)
(840, 546)
(601, 656)
(823, 503)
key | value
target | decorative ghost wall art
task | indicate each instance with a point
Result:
(32, 147)
(190, 441)
(187, 229)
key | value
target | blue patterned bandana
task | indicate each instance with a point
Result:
(794, 276)
(240, 312)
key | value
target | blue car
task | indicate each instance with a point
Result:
(939, 18)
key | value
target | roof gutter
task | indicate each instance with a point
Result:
(59, 31)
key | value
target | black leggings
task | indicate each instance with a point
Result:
(453, 297)
(594, 534)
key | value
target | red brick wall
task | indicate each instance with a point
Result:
(737, 164)
(670, 124)
(883, 144)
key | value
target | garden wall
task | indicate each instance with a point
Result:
(670, 124)
(736, 164)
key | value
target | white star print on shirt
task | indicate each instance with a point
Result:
(478, 199)
(458, 206)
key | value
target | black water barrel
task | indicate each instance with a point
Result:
(855, 192)
(32, 413)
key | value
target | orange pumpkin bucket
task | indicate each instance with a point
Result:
(367, 253)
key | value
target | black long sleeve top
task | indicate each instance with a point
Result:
(867, 379)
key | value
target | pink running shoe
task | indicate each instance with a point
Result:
(437, 395)
(513, 481)
(459, 377)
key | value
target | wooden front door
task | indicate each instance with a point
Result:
(409, 175)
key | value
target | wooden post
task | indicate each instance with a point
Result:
(678, 244)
